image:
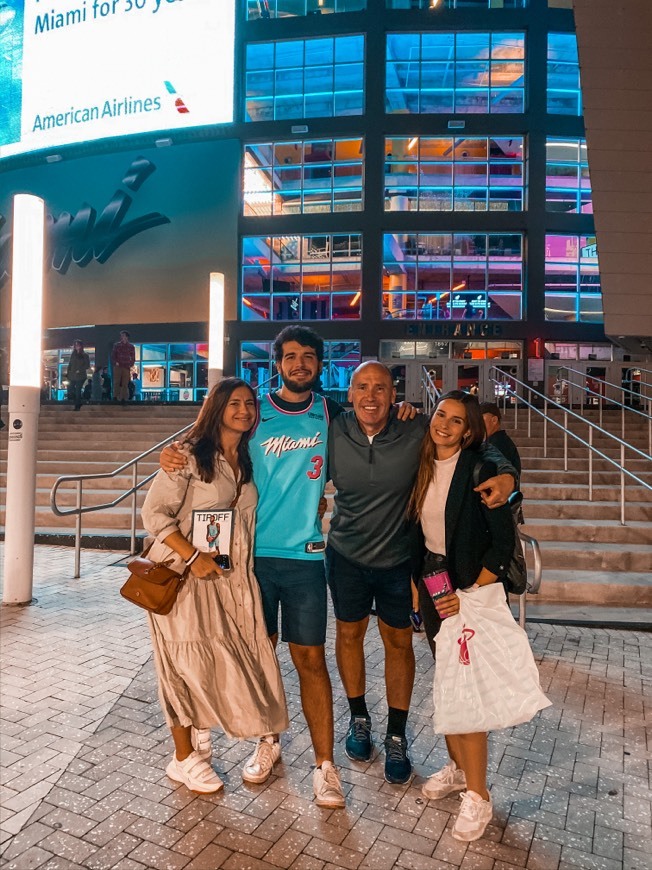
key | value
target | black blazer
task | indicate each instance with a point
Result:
(476, 536)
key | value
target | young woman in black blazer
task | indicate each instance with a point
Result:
(456, 531)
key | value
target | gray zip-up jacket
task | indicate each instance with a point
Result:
(374, 482)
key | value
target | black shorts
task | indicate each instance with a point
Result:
(298, 588)
(354, 589)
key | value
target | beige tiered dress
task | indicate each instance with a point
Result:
(216, 664)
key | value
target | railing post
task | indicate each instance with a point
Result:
(590, 462)
(622, 418)
(622, 484)
(134, 481)
(78, 531)
(600, 406)
(545, 428)
(521, 610)
(565, 440)
(529, 414)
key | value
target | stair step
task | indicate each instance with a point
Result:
(115, 518)
(602, 531)
(574, 492)
(584, 510)
(599, 477)
(603, 587)
(120, 482)
(594, 556)
(92, 497)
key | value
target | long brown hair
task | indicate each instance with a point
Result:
(473, 438)
(205, 437)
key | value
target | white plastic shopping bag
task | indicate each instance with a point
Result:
(485, 677)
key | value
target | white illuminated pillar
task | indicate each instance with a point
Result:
(216, 329)
(24, 396)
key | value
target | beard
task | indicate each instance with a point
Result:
(300, 387)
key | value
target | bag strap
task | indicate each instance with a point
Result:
(238, 490)
(144, 552)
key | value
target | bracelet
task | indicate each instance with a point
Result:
(192, 558)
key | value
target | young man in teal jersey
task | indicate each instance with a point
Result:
(288, 449)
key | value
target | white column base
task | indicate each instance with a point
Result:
(24, 409)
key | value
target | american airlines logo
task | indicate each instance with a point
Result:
(284, 443)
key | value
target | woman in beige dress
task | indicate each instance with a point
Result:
(216, 665)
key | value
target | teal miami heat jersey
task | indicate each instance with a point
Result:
(288, 449)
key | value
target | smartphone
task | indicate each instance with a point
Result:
(438, 585)
(315, 546)
(223, 562)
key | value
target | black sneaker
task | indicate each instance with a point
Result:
(358, 742)
(398, 767)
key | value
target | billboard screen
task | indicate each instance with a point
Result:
(80, 70)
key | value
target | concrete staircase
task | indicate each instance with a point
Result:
(97, 439)
(588, 556)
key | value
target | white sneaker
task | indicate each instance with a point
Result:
(195, 773)
(474, 816)
(201, 742)
(259, 766)
(327, 786)
(447, 780)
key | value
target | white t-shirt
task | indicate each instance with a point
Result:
(434, 505)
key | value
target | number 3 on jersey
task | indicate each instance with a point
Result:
(317, 465)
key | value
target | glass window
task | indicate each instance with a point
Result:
(293, 177)
(168, 373)
(397, 350)
(454, 174)
(294, 8)
(150, 352)
(459, 276)
(474, 72)
(568, 186)
(341, 357)
(573, 291)
(309, 78)
(308, 277)
(182, 351)
(55, 381)
(564, 93)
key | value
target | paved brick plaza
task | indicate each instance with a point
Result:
(84, 749)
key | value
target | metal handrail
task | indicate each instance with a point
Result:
(430, 391)
(269, 380)
(623, 407)
(504, 380)
(646, 383)
(618, 387)
(532, 587)
(78, 510)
